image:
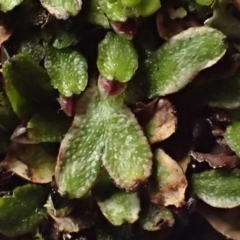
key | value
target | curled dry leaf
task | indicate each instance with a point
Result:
(169, 181)
(225, 221)
(216, 161)
(4, 33)
(184, 162)
(65, 220)
(20, 135)
(168, 27)
(158, 119)
(32, 162)
(236, 3)
(163, 122)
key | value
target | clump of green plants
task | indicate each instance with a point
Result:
(119, 119)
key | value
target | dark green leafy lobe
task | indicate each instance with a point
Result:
(155, 217)
(8, 119)
(48, 126)
(67, 69)
(179, 60)
(33, 48)
(62, 9)
(115, 11)
(218, 188)
(60, 34)
(127, 168)
(79, 159)
(27, 85)
(95, 133)
(224, 20)
(96, 15)
(232, 136)
(117, 58)
(226, 92)
(22, 212)
(120, 207)
(116, 205)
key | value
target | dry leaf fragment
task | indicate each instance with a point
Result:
(163, 123)
(33, 162)
(170, 182)
(4, 34)
(168, 26)
(225, 221)
(216, 161)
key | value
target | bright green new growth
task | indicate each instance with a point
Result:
(62, 9)
(232, 137)
(97, 16)
(121, 10)
(130, 2)
(117, 58)
(146, 7)
(27, 85)
(179, 60)
(204, 2)
(23, 211)
(103, 129)
(218, 188)
(8, 5)
(67, 69)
